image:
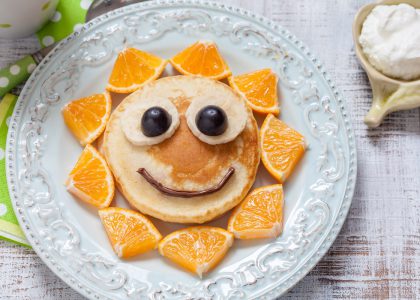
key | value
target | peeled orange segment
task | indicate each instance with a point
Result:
(87, 117)
(259, 89)
(197, 249)
(260, 215)
(91, 180)
(133, 69)
(281, 147)
(201, 58)
(129, 232)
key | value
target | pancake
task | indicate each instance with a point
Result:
(182, 162)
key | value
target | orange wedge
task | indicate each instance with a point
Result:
(259, 88)
(201, 58)
(260, 215)
(91, 180)
(197, 249)
(129, 232)
(281, 147)
(87, 117)
(133, 69)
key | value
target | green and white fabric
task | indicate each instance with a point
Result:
(9, 226)
(69, 16)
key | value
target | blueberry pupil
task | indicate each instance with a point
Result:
(211, 120)
(155, 121)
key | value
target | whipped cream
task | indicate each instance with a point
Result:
(390, 39)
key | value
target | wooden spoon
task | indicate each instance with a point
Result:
(389, 94)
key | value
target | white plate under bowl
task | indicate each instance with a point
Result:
(68, 235)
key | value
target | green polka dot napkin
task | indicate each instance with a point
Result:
(9, 226)
(69, 16)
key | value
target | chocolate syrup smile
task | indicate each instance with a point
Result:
(185, 194)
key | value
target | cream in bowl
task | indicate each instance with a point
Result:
(390, 39)
(387, 42)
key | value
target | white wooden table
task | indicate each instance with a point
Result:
(377, 254)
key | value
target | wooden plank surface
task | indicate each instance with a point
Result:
(377, 254)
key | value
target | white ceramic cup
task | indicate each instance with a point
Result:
(21, 18)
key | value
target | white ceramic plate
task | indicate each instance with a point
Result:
(68, 235)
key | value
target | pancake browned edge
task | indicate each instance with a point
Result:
(182, 162)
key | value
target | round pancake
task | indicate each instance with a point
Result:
(182, 162)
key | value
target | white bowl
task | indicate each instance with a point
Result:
(389, 94)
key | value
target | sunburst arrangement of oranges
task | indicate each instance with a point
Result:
(199, 248)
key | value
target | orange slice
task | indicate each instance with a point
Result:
(201, 58)
(129, 232)
(281, 147)
(91, 180)
(197, 249)
(259, 88)
(260, 215)
(133, 69)
(87, 117)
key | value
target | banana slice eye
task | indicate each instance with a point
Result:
(215, 120)
(151, 122)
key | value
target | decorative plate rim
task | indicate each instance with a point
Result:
(298, 274)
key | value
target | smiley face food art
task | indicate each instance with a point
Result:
(183, 149)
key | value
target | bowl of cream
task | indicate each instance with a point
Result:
(387, 42)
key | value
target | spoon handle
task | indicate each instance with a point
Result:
(385, 102)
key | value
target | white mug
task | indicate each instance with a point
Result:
(21, 18)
